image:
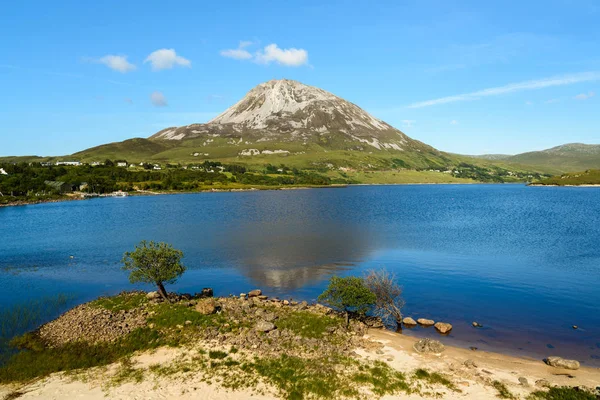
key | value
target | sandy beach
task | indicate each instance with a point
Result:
(472, 372)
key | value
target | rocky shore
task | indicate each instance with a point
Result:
(253, 345)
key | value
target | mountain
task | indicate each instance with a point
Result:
(282, 121)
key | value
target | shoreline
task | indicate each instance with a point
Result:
(256, 189)
(466, 373)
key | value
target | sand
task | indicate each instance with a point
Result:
(397, 352)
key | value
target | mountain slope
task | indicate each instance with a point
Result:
(570, 157)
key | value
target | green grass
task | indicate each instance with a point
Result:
(307, 324)
(502, 390)
(589, 177)
(435, 378)
(120, 302)
(169, 315)
(561, 393)
(36, 360)
(381, 379)
(217, 354)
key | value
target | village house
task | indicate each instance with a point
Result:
(3, 172)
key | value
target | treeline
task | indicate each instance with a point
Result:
(30, 181)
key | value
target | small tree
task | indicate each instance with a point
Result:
(388, 293)
(157, 263)
(349, 295)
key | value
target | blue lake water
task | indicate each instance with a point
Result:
(522, 261)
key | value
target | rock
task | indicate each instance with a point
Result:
(477, 324)
(243, 295)
(286, 303)
(254, 293)
(270, 317)
(542, 383)
(409, 321)
(261, 297)
(153, 295)
(428, 346)
(523, 381)
(575, 327)
(303, 305)
(425, 321)
(470, 364)
(473, 348)
(559, 362)
(443, 327)
(373, 322)
(206, 306)
(264, 326)
(293, 303)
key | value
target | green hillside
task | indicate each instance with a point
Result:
(589, 177)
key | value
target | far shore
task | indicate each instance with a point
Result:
(79, 196)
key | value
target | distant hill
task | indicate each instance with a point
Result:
(570, 157)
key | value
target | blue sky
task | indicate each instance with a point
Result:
(464, 76)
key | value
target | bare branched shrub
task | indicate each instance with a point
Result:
(389, 294)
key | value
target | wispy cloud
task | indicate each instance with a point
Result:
(240, 53)
(584, 96)
(166, 59)
(116, 63)
(272, 53)
(512, 88)
(158, 99)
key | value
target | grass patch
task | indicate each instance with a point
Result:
(167, 315)
(435, 378)
(562, 393)
(217, 354)
(502, 390)
(127, 373)
(36, 360)
(120, 302)
(381, 379)
(307, 324)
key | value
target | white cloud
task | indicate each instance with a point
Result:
(291, 57)
(514, 87)
(158, 99)
(584, 96)
(408, 123)
(454, 122)
(117, 63)
(166, 59)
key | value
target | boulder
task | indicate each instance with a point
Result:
(428, 346)
(477, 325)
(270, 317)
(153, 295)
(443, 327)
(262, 297)
(559, 362)
(303, 305)
(254, 293)
(409, 321)
(523, 381)
(264, 326)
(206, 306)
(425, 322)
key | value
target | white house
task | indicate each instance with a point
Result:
(3, 172)
(73, 163)
(121, 164)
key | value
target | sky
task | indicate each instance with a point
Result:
(470, 77)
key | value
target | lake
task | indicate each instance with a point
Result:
(522, 261)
